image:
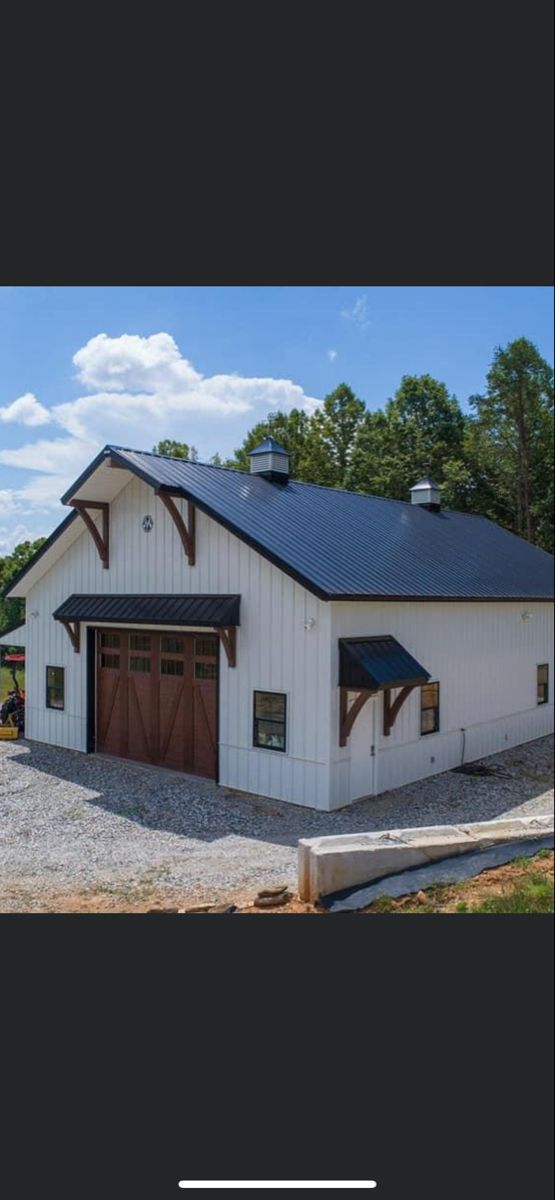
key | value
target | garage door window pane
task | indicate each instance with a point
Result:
(205, 670)
(110, 660)
(205, 647)
(110, 640)
(171, 666)
(269, 720)
(55, 687)
(172, 645)
(139, 641)
(139, 664)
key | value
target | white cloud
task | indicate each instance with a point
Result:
(358, 314)
(139, 391)
(12, 536)
(332, 355)
(27, 410)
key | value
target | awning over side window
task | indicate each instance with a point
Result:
(378, 663)
(213, 611)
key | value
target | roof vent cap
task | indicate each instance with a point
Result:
(271, 461)
(426, 493)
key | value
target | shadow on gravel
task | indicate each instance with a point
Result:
(194, 808)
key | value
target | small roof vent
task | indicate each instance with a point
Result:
(426, 493)
(271, 461)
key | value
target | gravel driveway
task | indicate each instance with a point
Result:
(85, 832)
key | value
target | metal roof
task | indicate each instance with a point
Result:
(214, 611)
(346, 545)
(269, 446)
(377, 663)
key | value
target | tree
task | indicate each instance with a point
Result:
(420, 431)
(514, 427)
(12, 611)
(171, 449)
(333, 428)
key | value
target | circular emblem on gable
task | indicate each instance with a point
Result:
(147, 523)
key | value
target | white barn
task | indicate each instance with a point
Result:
(294, 641)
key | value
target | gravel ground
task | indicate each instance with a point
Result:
(84, 832)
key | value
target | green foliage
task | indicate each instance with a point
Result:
(496, 461)
(12, 611)
(171, 449)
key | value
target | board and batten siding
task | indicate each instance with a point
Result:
(274, 650)
(484, 656)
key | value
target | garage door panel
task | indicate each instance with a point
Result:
(157, 698)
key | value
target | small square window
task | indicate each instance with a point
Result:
(172, 645)
(543, 683)
(269, 720)
(139, 664)
(139, 641)
(55, 689)
(205, 670)
(206, 648)
(171, 666)
(110, 640)
(110, 661)
(429, 708)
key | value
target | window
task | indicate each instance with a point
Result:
(139, 664)
(205, 647)
(205, 670)
(429, 708)
(139, 641)
(110, 660)
(172, 645)
(54, 687)
(171, 666)
(543, 683)
(269, 720)
(111, 640)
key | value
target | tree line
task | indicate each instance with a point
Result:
(496, 460)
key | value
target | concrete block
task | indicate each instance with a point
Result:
(329, 864)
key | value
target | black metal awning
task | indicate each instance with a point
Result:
(378, 663)
(214, 611)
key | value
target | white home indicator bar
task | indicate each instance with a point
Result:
(279, 1183)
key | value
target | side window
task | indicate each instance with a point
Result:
(543, 683)
(429, 708)
(269, 731)
(55, 687)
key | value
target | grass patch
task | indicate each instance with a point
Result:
(524, 885)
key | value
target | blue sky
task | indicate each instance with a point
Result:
(80, 367)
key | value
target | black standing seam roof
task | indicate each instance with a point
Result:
(214, 611)
(377, 663)
(346, 545)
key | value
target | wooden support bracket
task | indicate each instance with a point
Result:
(228, 638)
(348, 716)
(101, 540)
(186, 532)
(391, 710)
(73, 630)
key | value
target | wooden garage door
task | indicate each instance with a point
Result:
(157, 698)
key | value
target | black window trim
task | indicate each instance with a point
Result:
(546, 685)
(267, 692)
(55, 707)
(431, 707)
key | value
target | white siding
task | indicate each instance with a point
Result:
(274, 651)
(484, 656)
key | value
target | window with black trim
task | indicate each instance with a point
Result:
(270, 710)
(55, 688)
(543, 683)
(429, 708)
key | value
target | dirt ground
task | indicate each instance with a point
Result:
(471, 893)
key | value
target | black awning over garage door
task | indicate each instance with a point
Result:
(213, 611)
(377, 663)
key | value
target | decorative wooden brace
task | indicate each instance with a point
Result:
(348, 716)
(101, 540)
(228, 638)
(73, 630)
(186, 532)
(390, 711)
